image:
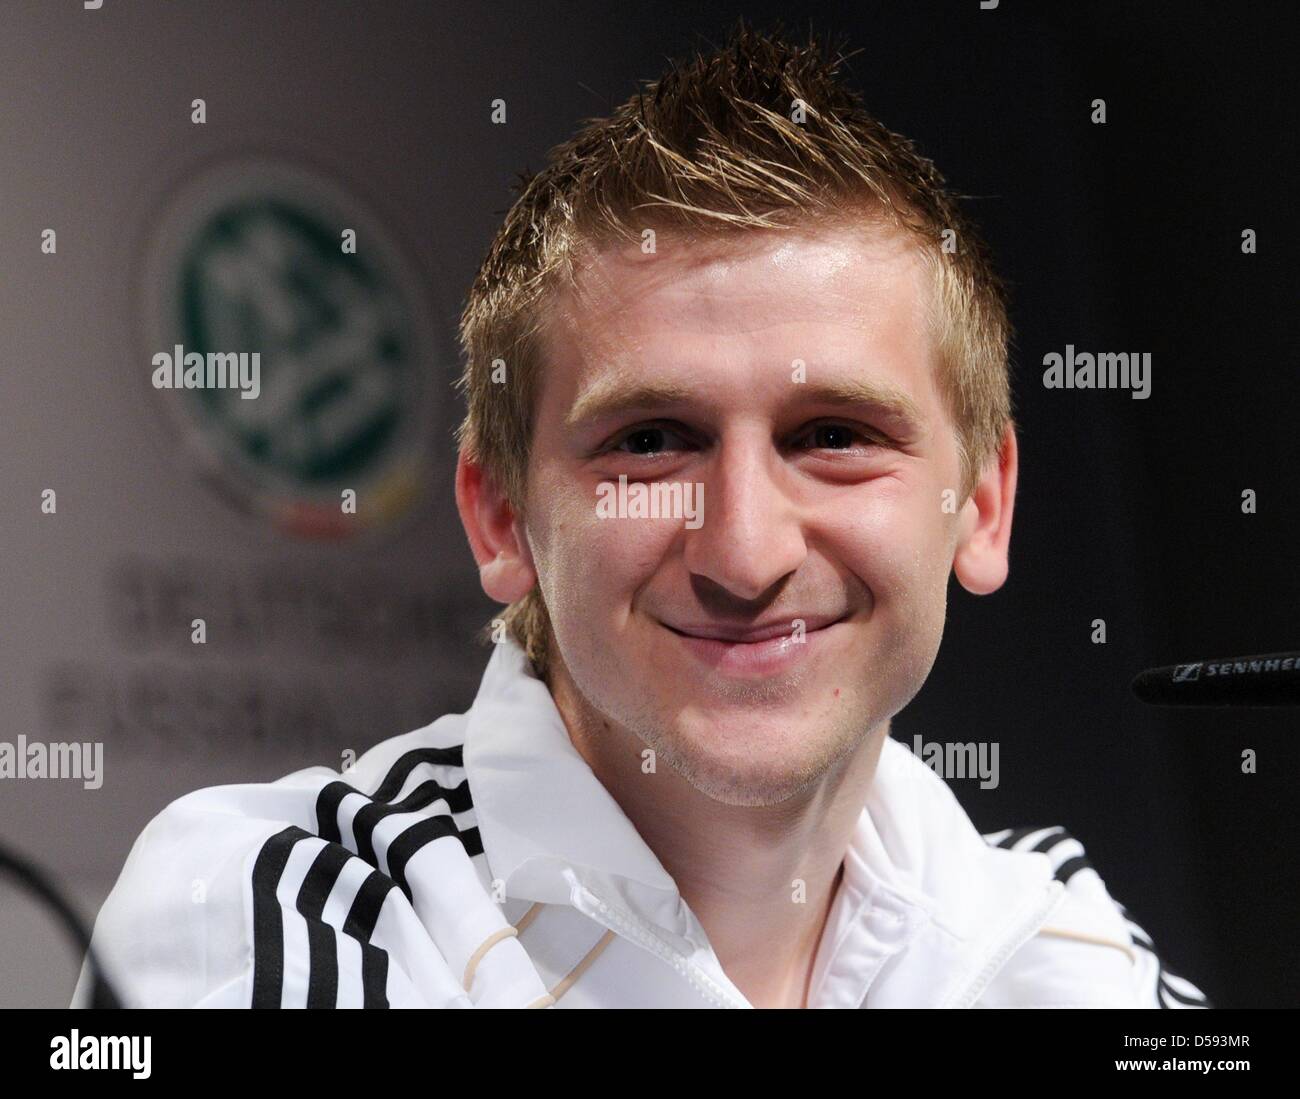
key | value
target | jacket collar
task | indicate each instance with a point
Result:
(919, 880)
(544, 816)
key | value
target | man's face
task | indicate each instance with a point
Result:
(821, 503)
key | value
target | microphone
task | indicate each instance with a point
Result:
(1269, 680)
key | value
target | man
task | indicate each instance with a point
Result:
(738, 405)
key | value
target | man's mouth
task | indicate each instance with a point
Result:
(754, 633)
(758, 649)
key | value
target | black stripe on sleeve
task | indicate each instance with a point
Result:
(332, 794)
(364, 913)
(1070, 867)
(1017, 834)
(1055, 836)
(369, 816)
(327, 809)
(268, 870)
(1173, 993)
(405, 846)
(1145, 942)
(268, 922)
(1141, 939)
(323, 958)
(374, 976)
(409, 761)
(360, 924)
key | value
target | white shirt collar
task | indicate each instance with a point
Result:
(919, 879)
(541, 810)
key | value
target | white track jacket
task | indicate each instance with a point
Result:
(479, 862)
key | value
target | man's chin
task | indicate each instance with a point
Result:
(749, 782)
(710, 696)
(750, 757)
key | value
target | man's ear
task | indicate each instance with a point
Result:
(496, 537)
(980, 562)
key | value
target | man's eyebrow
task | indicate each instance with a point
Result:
(886, 398)
(615, 394)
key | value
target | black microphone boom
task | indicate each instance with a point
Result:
(1269, 680)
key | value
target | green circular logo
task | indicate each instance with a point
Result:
(278, 273)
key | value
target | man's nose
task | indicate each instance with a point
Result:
(752, 533)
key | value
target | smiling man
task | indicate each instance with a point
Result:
(792, 376)
(677, 787)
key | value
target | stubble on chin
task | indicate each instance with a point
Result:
(764, 765)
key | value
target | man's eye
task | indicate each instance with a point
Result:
(647, 440)
(834, 437)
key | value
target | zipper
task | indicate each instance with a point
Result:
(621, 923)
(1023, 932)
